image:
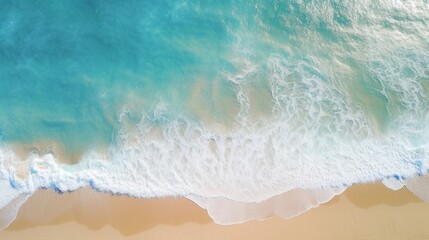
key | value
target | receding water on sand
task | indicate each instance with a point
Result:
(230, 104)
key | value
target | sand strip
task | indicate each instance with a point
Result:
(362, 212)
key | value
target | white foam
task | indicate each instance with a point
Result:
(9, 212)
(393, 183)
(317, 138)
(11, 194)
(286, 205)
(7, 193)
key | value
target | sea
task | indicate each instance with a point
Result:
(224, 102)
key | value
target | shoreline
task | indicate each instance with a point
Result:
(23, 151)
(369, 211)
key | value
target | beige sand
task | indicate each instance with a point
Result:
(362, 212)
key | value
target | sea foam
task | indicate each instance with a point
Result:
(315, 144)
(347, 103)
(309, 153)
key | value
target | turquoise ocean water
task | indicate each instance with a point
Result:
(67, 68)
(207, 97)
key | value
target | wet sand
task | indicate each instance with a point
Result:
(23, 151)
(362, 212)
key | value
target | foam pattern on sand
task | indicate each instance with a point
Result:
(393, 183)
(247, 167)
(329, 143)
(324, 95)
(286, 205)
(9, 212)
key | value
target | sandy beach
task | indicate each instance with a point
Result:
(362, 212)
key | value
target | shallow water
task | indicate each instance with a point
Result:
(242, 100)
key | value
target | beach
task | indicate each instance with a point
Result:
(368, 211)
(112, 115)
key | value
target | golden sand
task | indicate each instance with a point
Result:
(362, 212)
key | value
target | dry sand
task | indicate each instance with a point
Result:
(362, 212)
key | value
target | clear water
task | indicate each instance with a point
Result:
(207, 97)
